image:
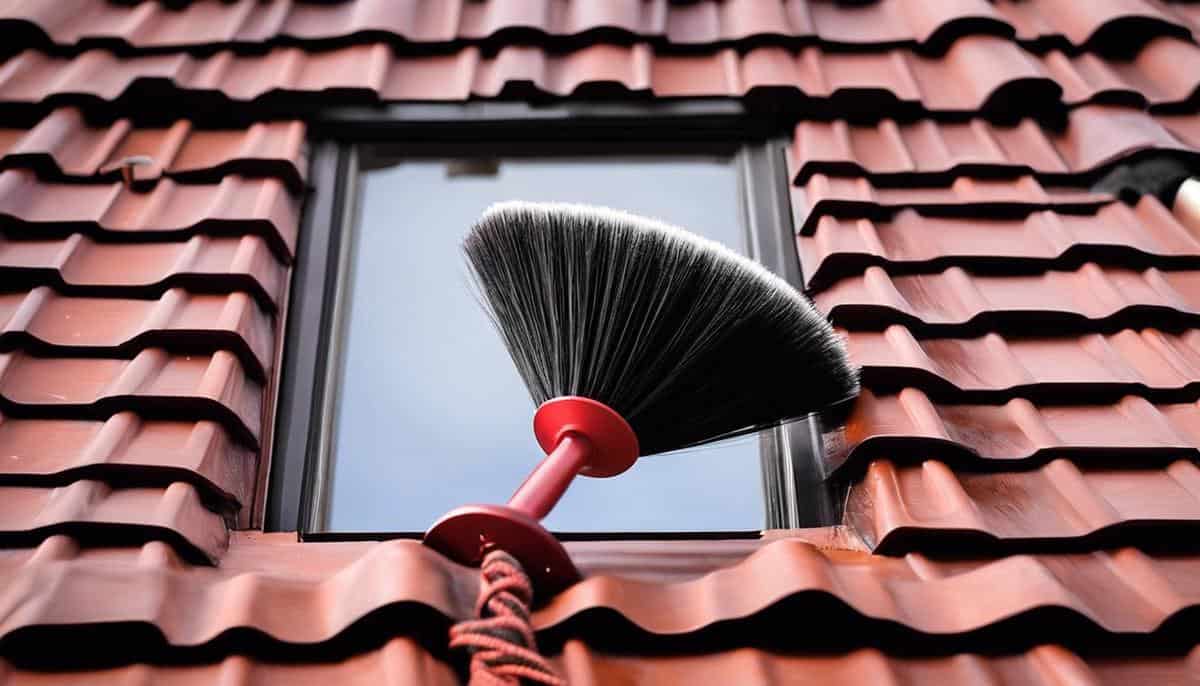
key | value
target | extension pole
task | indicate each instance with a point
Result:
(547, 483)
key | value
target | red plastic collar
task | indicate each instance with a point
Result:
(614, 445)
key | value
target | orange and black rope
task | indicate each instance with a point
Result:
(501, 641)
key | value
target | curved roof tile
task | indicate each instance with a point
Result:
(1094, 138)
(955, 302)
(62, 145)
(1089, 368)
(1131, 431)
(97, 513)
(332, 590)
(77, 265)
(1060, 506)
(570, 23)
(44, 321)
(977, 74)
(234, 206)
(153, 383)
(128, 451)
(1145, 235)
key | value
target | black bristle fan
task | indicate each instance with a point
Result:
(634, 337)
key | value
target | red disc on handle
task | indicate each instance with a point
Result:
(614, 445)
(464, 534)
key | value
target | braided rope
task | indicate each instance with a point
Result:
(501, 642)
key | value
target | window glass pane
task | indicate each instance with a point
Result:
(430, 411)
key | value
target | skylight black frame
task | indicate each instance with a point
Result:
(795, 488)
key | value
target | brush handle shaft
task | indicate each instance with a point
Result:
(545, 486)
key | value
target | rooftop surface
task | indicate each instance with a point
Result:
(1023, 461)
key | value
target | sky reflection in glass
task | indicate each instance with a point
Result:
(430, 411)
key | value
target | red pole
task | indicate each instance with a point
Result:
(543, 488)
(579, 436)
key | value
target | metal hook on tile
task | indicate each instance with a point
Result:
(127, 164)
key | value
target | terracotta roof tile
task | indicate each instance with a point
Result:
(1123, 592)
(1057, 507)
(977, 73)
(63, 145)
(909, 426)
(558, 23)
(150, 454)
(956, 303)
(932, 26)
(126, 450)
(78, 265)
(928, 151)
(234, 206)
(163, 445)
(1089, 368)
(97, 512)
(152, 383)
(827, 196)
(373, 591)
(906, 242)
(402, 662)
(399, 662)
(1104, 24)
(1161, 74)
(328, 590)
(1047, 665)
(54, 324)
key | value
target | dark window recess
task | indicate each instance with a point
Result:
(399, 401)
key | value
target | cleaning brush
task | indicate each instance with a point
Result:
(635, 337)
(685, 339)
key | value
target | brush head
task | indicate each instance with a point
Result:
(687, 340)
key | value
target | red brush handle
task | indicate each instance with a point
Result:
(544, 487)
(580, 436)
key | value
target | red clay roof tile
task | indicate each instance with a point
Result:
(1105, 23)
(152, 383)
(1046, 665)
(828, 196)
(402, 662)
(174, 435)
(1159, 75)
(63, 144)
(300, 597)
(126, 450)
(909, 426)
(1123, 592)
(927, 151)
(399, 662)
(292, 600)
(1059, 507)
(99, 471)
(906, 242)
(956, 303)
(1089, 368)
(234, 206)
(557, 23)
(78, 265)
(53, 324)
(977, 73)
(96, 512)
